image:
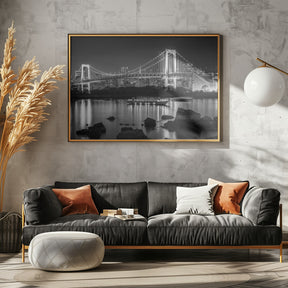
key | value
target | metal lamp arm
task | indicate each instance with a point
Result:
(269, 65)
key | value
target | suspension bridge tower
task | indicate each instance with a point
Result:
(170, 68)
(85, 75)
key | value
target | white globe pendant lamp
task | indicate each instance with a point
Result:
(265, 86)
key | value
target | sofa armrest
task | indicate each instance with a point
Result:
(41, 205)
(261, 205)
(280, 212)
(23, 216)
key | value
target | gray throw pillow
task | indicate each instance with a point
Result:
(41, 205)
(261, 206)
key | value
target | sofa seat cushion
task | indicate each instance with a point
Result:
(113, 231)
(219, 230)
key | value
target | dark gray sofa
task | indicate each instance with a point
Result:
(161, 228)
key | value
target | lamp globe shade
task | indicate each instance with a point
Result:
(264, 86)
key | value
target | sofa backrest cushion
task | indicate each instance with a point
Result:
(115, 195)
(261, 205)
(162, 196)
(41, 205)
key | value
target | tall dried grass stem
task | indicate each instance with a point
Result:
(25, 110)
(7, 74)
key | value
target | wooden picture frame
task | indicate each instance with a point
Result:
(148, 87)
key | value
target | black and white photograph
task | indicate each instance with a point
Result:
(144, 87)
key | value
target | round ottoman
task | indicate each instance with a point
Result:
(66, 251)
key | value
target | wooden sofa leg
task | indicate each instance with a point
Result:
(23, 253)
(281, 252)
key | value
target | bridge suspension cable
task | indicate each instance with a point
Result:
(152, 65)
(136, 70)
(97, 71)
(199, 71)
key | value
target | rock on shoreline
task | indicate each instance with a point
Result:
(150, 123)
(93, 132)
(190, 120)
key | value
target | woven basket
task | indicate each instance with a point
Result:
(10, 232)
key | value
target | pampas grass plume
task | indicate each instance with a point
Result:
(25, 110)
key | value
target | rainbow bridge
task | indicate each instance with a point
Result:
(168, 69)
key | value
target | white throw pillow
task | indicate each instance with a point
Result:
(196, 200)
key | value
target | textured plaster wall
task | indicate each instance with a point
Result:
(254, 140)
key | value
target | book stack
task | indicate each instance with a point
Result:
(128, 211)
(130, 217)
(111, 212)
(119, 211)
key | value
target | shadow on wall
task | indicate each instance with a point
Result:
(257, 140)
(264, 168)
(194, 165)
(260, 166)
(269, 169)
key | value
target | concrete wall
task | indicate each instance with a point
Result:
(254, 140)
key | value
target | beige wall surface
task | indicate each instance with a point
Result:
(254, 139)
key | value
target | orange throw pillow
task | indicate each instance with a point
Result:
(228, 197)
(76, 201)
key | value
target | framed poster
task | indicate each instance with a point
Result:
(144, 87)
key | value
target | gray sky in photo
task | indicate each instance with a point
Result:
(109, 54)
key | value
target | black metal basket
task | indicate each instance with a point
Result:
(10, 232)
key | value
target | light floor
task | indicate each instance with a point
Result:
(159, 269)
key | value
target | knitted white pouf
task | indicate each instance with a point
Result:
(66, 251)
